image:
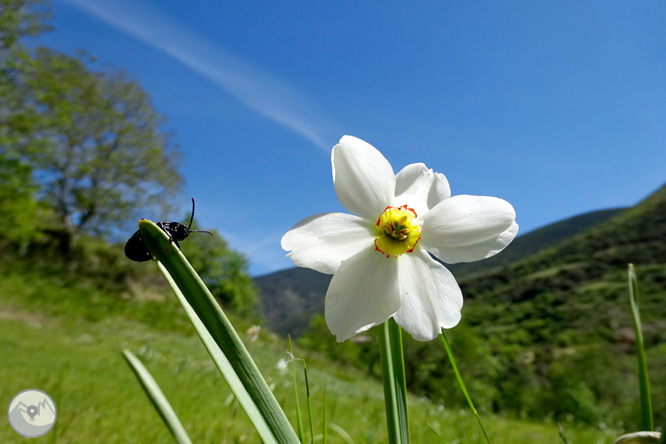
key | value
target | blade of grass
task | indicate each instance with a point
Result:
(563, 435)
(437, 434)
(643, 378)
(393, 378)
(307, 392)
(299, 417)
(342, 432)
(462, 385)
(220, 338)
(232, 415)
(324, 440)
(158, 399)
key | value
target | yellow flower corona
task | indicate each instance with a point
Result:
(396, 231)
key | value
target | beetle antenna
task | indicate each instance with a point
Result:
(200, 231)
(191, 217)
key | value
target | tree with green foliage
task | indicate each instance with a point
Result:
(90, 141)
(96, 146)
(19, 208)
(20, 19)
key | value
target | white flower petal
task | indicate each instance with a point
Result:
(364, 292)
(430, 298)
(468, 228)
(481, 249)
(363, 178)
(420, 188)
(323, 241)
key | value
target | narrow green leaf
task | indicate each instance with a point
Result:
(462, 385)
(393, 377)
(158, 399)
(219, 338)
(299, 417)
(441, 438)
(643, 378)
(239, 389)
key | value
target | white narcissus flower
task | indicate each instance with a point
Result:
(379, 254)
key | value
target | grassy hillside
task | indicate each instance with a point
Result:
(63, 332)
(291, 297)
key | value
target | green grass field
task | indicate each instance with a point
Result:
(79, 363)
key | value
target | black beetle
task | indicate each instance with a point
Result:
(136, 249)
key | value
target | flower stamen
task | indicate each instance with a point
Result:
(396, 231)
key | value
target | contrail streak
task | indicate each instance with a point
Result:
(258, 90)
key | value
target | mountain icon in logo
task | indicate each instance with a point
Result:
(32, 413)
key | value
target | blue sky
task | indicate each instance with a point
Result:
(557, 107)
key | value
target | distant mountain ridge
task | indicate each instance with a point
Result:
(290, 297)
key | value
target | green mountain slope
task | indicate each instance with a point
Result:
(576, 291)
(291, 297)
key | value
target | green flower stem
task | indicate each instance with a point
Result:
(400, 378)
(393, 376)
(644, 382)
(157, 398)
(299, 417)
(462, 385)
(220, 338)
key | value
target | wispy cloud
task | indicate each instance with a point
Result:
(271, 97)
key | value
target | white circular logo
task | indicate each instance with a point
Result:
(32, 413)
